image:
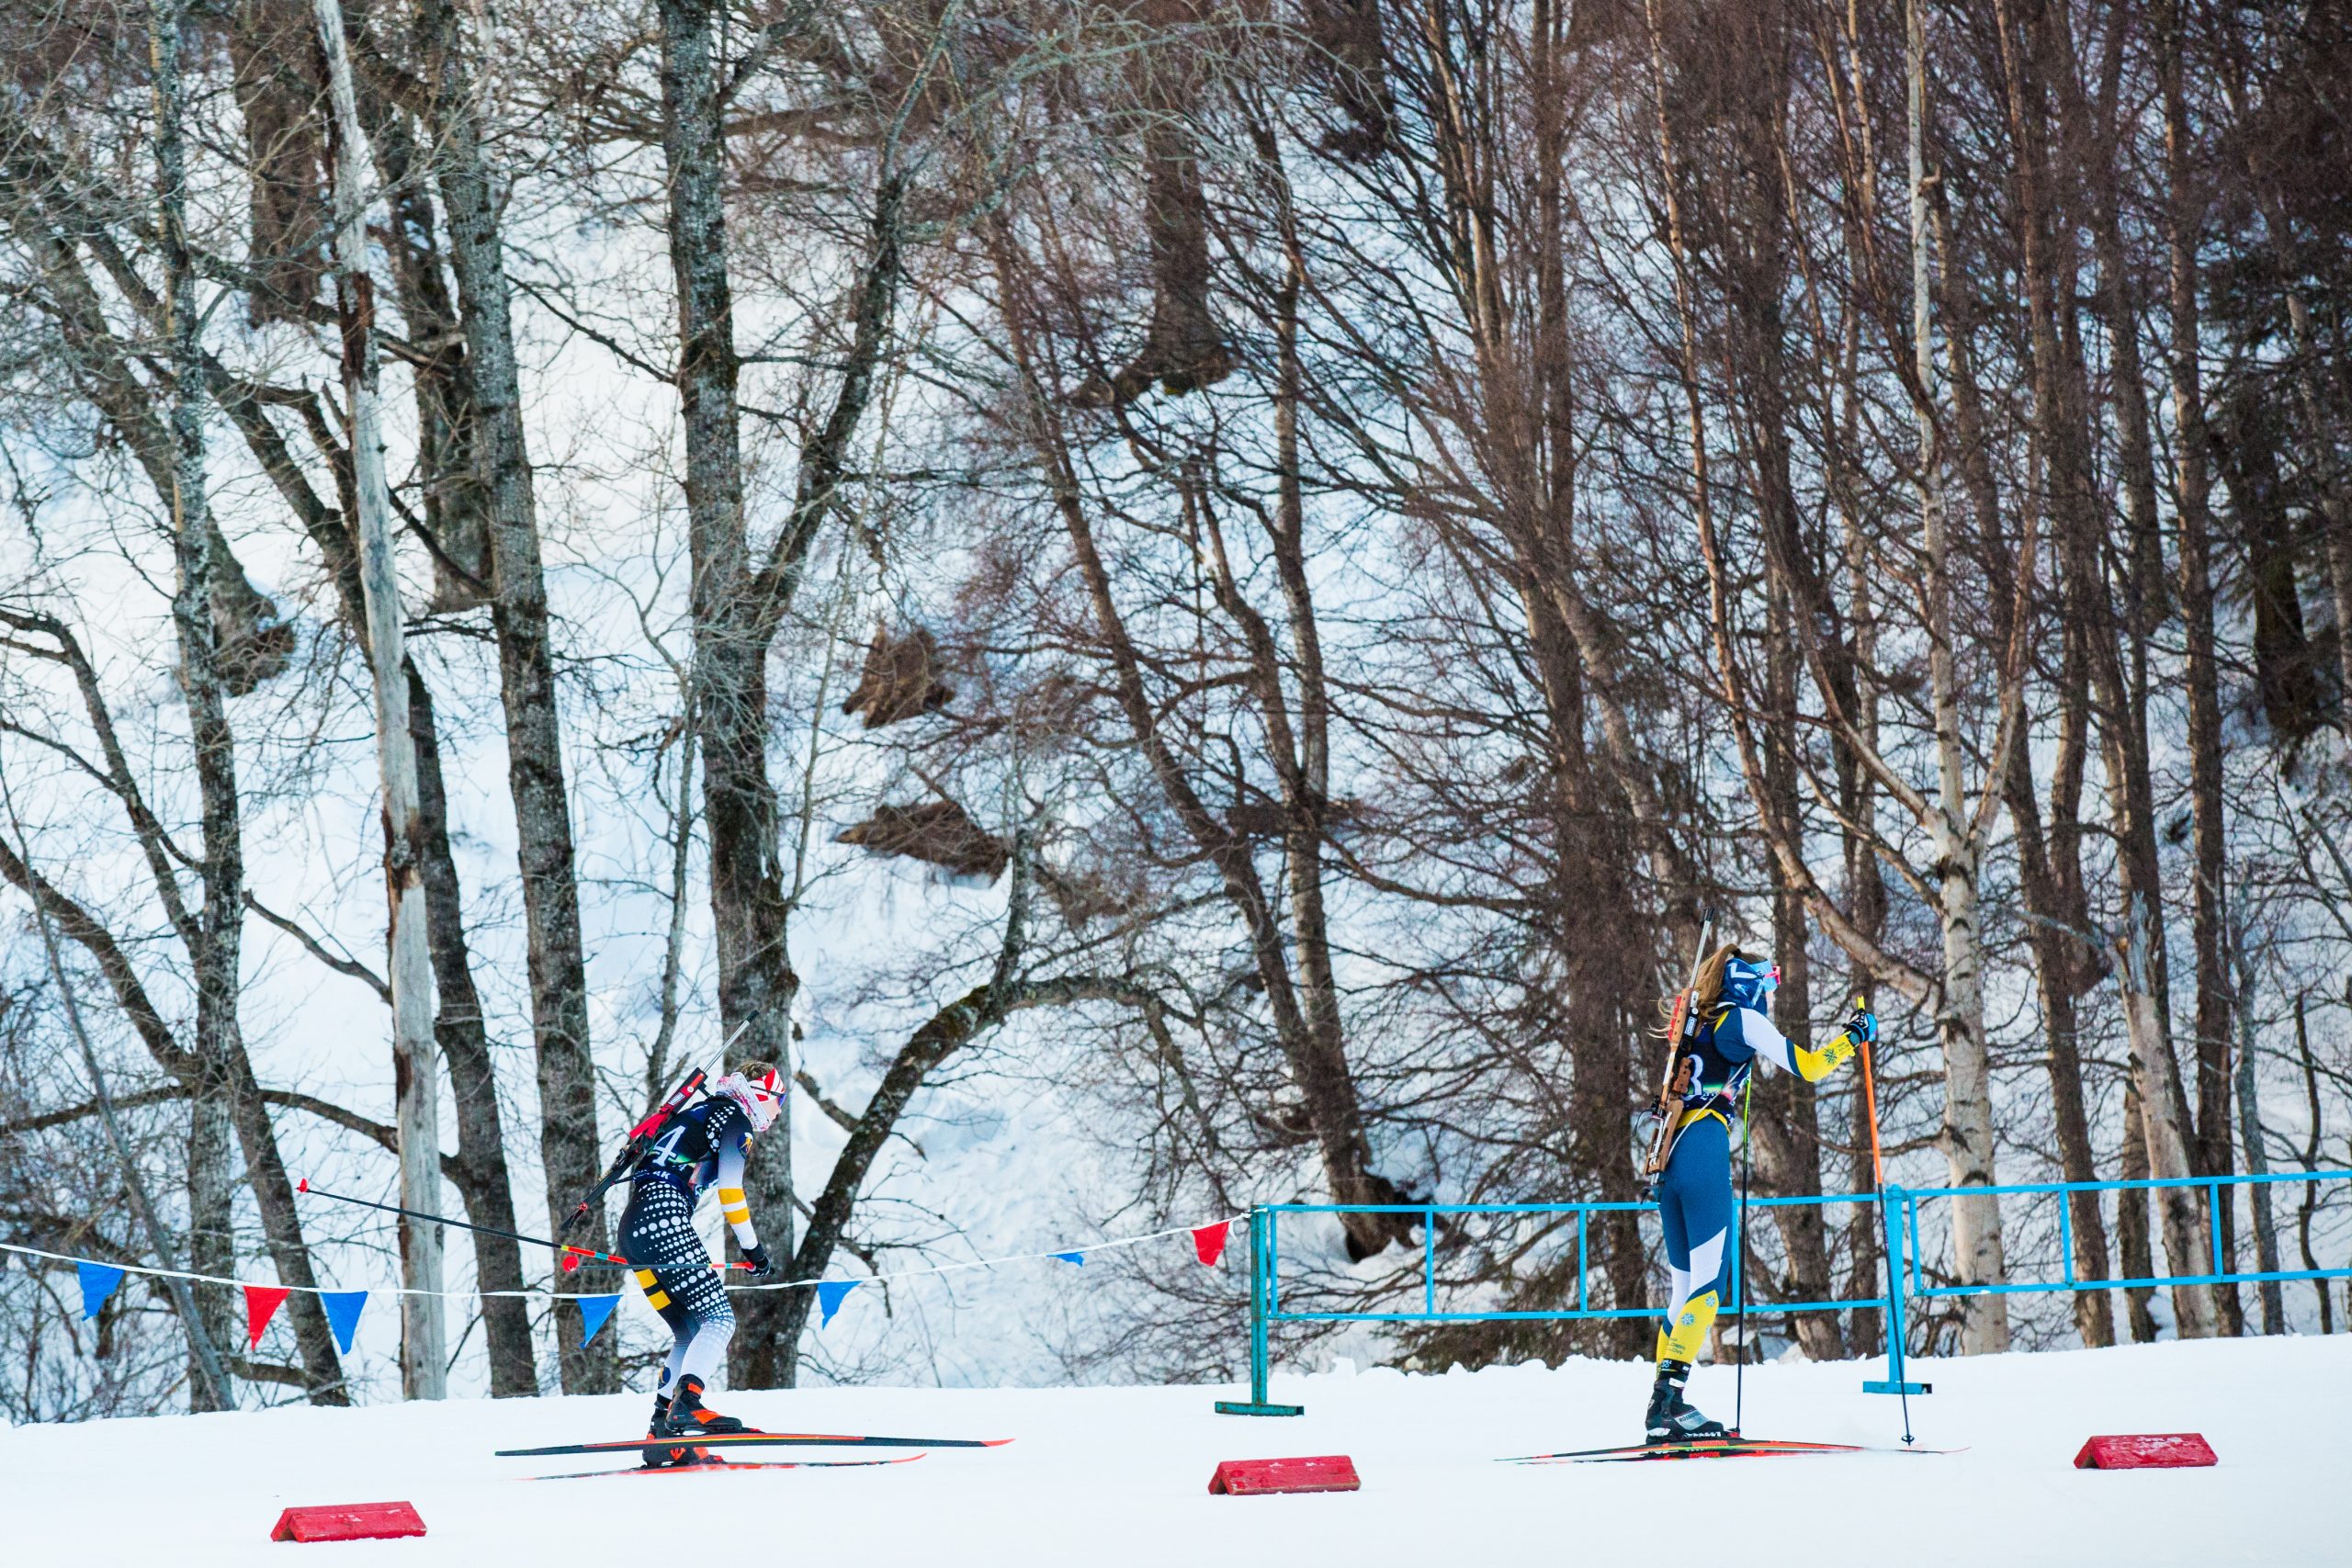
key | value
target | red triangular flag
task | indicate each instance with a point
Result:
(261, 1304)
(1208, 1242)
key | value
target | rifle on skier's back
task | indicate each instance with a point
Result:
(1681, 1024)
(646, 1133)
(640, 1138)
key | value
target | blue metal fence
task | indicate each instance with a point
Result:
(1900, 1211)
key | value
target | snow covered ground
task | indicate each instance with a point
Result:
(1118, 1476)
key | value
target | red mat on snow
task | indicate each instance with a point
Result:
(1254, 1477)
(2147, 1450)
(348, 1521)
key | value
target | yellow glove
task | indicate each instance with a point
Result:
(1816, 1064)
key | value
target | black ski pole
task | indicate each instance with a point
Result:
(574, 1256)
(1739, 1258)
(584, 1254)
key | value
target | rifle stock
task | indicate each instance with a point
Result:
(1677, 1026)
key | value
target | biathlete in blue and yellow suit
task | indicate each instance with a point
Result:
(1695, 1196)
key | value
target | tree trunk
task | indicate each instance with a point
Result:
(216, 950)
(481, 1177)
(2257, 1153)
(1754, 256)
(733, 629)
(946, 1031)
(2181, 1210)
(2050, 873)
(2310, 1205)
(415, 1054)
(453, 499)
(1599, 944)
(212, 1207)
(2053, 899)
(2285, 663)
(571, 1151)
(2192, 444)
(738, 603)
(2062, 423)
(1785, 1121)
(2131, 1217)
(1866, 901)
(1959, 1023)
(480, 1170)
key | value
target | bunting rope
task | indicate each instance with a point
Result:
(98, 1280)
(1067, 1255)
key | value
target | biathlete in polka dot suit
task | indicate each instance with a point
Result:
(704, 1145)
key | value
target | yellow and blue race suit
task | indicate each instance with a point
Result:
(1694, 1197)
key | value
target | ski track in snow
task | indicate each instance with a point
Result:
(1119, 1475)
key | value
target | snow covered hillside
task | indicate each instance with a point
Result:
(1119, 1475)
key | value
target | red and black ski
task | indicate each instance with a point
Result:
(1711, 1448)
(754, 1441)
(735, 1464)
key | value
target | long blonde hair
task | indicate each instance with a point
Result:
(1706, 991)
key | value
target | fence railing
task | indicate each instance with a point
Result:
(1899, 1210)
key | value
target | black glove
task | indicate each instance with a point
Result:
(1863, 1027)
(757, 1256)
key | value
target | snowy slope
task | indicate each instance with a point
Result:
(1117, 1476)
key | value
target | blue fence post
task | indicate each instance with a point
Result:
(2066, 1237)
(1893, 1214)
(1429, 1262)
(1583, 1258)
(1262, 1306)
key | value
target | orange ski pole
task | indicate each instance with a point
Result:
(1893, 1264)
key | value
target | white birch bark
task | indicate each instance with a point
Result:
(2188, 1222)
(2249, 1108)
(1968, 1102)
(415, 1052)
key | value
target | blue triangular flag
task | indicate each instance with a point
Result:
(830, 1296)
(1077, 1258)
(594, 1310)
(98, 1280)
(343, 1314)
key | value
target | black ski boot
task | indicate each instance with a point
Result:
(689, 1418)
(1670, 1420)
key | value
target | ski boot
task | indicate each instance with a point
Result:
(681, 1414)
(687, 1418)
(1671, 1420)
